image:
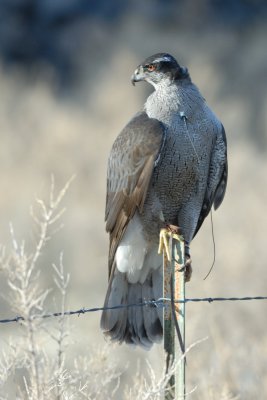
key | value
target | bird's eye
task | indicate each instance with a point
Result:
(151, 67)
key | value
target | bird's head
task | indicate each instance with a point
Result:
(161, 67)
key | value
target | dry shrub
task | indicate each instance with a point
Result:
(38, 372)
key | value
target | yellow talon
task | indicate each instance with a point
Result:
(164, 241)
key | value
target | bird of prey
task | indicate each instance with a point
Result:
(167, 167)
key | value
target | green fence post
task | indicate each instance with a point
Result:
(174, 288)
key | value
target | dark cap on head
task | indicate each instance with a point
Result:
(157, 67)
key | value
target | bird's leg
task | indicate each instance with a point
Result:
(188, 263)
(171, 231)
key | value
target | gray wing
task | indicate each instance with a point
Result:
(130, 167)
(217, 179)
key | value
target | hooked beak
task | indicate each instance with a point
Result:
(137, 76)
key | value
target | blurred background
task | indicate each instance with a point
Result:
(65, 94)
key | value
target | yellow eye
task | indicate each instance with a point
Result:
(151, 67)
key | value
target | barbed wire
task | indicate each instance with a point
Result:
(161, 302)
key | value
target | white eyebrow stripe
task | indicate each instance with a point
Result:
(165, 58)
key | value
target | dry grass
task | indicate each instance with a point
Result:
(38, 373)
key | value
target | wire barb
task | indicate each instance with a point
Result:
(148, 303)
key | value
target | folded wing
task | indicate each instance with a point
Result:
(217, 179)
(130, 166)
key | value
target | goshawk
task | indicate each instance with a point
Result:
(168, 166)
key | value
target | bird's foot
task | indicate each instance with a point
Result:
(167, 234)
(188, 263)
(174, 232)
(187, 268)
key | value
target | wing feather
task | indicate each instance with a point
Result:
(217, 180)
(130, 166)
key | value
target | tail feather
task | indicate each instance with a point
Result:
(115, 320)
(152, 323)
(157, 285)
(135, 316)
(120, 326)
(135, 325)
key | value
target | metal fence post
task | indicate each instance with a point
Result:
(174, 288)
